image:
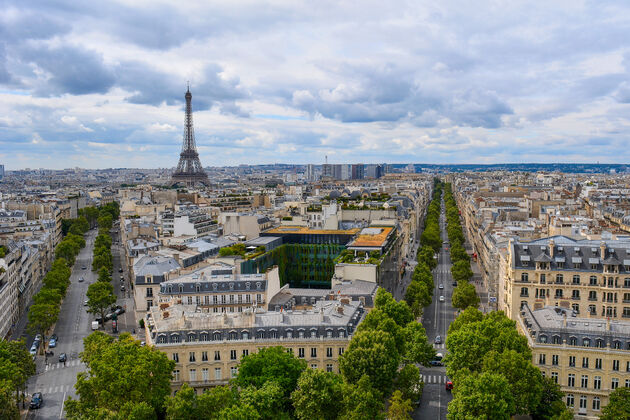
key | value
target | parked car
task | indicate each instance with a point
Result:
(438, 340)
(52, 343)
(36, 400)
(122, 287)
(441, 286)
(441, 298)
(33, 350)
(120, 270)
(449, 385)
(63, 357)
(38, 337)
(436, 363)
(454, 283)
(81, 279)
(83, 268)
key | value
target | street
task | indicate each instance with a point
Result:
(436, 320)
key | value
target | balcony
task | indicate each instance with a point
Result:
(592, 299)
(575, 297)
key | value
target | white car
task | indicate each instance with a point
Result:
(441, 286)
(441, 298)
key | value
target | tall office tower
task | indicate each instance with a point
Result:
(373, 171)
(358, 171)
(310, 172)
(189, 170)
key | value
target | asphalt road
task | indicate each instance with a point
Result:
(436, 320)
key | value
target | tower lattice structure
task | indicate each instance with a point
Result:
(189, 170)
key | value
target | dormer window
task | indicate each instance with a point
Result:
(248, 285)
(215, 286)
(197, 287)
(181, 288)
(258, 285)
(231, 286)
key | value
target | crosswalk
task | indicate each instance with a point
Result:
(53, 366)
(56, 389)
(434, 379)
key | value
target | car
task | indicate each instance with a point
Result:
(52, 343)
(454, 283)
(122, 278)
(81, 279)
(33, 350)
(438, 340)
(441, 286)
(442, 299)
(436, 363)
(120, 270)
(54, 336)
(122, 287)
(36, 400)
(449, 385)
(84, 268)
(38, 337)
(63, 358)
(85, 303)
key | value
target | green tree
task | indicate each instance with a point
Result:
(319, 395)
(104, 276)
(551, 405)
(618, 405)
(481, 396)
(469, 315)
(105, 221)
(16, 366)
(362, 401)
(461, 271)
(371, 353)
(268, 400)
(8, 408)
(118, 372)
(465, 295)
(47, 295)
(417, 346)
(400, 408)
(42, 316)
(213, 401)
(183, 405)
(66, 250)
(100, 298)
(239, 412)
(409, 382)
(271, 364)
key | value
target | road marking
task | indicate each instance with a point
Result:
(63, 401)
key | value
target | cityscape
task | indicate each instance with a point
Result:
(252, 221)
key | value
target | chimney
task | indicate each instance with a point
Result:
(340, 309)
(602, 250)
(551, 247)
(564, 320)
(321, 314)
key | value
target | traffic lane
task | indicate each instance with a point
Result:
(434, 402)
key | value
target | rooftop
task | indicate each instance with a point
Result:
(372, 237)
(307, 231)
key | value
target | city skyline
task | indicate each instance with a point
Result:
(100, 86)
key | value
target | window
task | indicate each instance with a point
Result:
(541, 359)
(313, 365)
(329, 367)
(554, 376)
(524, 277)
(586, 342)
(217, 355)
(524, 291)
(559, 278)
(192, 374)
(204, 356)
(593, 281)
(341, 349)
(301, 352)
(576, 279)
(554, 360)
(627, 383)
(149, 304)
(190, 300)
(215, 299)
(598, 363)
(599, 343)
(615, 365)
(313, 352)
(176, 375)
(627, 366)
(597, 382)
(245, 352)
(329, 352)
(575, 295)
(541, 293)
(176, 357)
(614, 384)
(584, 382)
(584, 362)
(248, 299)
(149, 291)
(592, 295)
(571, 361)
(591, 309)
(570, 400)
(556, 339)
(543, 279)
(596, 403)
(217, 374)
(626, 282)
(204, 375)
(583, 401)
(573, 341)
(191, 356)
(233, 371)
(232, 354)
(576, 308)
(571, 380)
(558, 293)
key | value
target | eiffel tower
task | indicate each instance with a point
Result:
(189, 170)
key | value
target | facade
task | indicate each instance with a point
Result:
(149, 272)
(207, 347)
(358, 171)
(590, 277)
(588, 358)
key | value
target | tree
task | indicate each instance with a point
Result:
(268, 400)
(461, 271)
(550, 405)
(79, 226)
(618, 405)
(417, 346)
(524, 379)
(418, 296)
(409, 382)
(16, 366)
(469, 315)
(362, 401)
(465, 295)
(104, 276)
(8, 409)
(118, 372)
(319, 395)
(271, 364)
(371, 353)
(105, 221)
(66, 250)
(100, 298)
(183, 405)
(400, 408)
(42, 316)
(239, 412)
(481, 396)
(47, 295)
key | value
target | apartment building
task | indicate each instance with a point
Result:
(590, 277)
(588, 357)
(207, 347)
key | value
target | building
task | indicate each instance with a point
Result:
(149, 272)
(248, 224)
(310, 173)
(304, 235)
(591, 277)
(358, 171)
(373, 171)
(588, 357)
(207, 347)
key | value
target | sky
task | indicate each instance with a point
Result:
(98, 84)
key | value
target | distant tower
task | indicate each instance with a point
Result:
(189, 170)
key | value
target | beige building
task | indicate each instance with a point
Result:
(589, 358)
(207, 347)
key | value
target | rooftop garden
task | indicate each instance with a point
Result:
(348, 257)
